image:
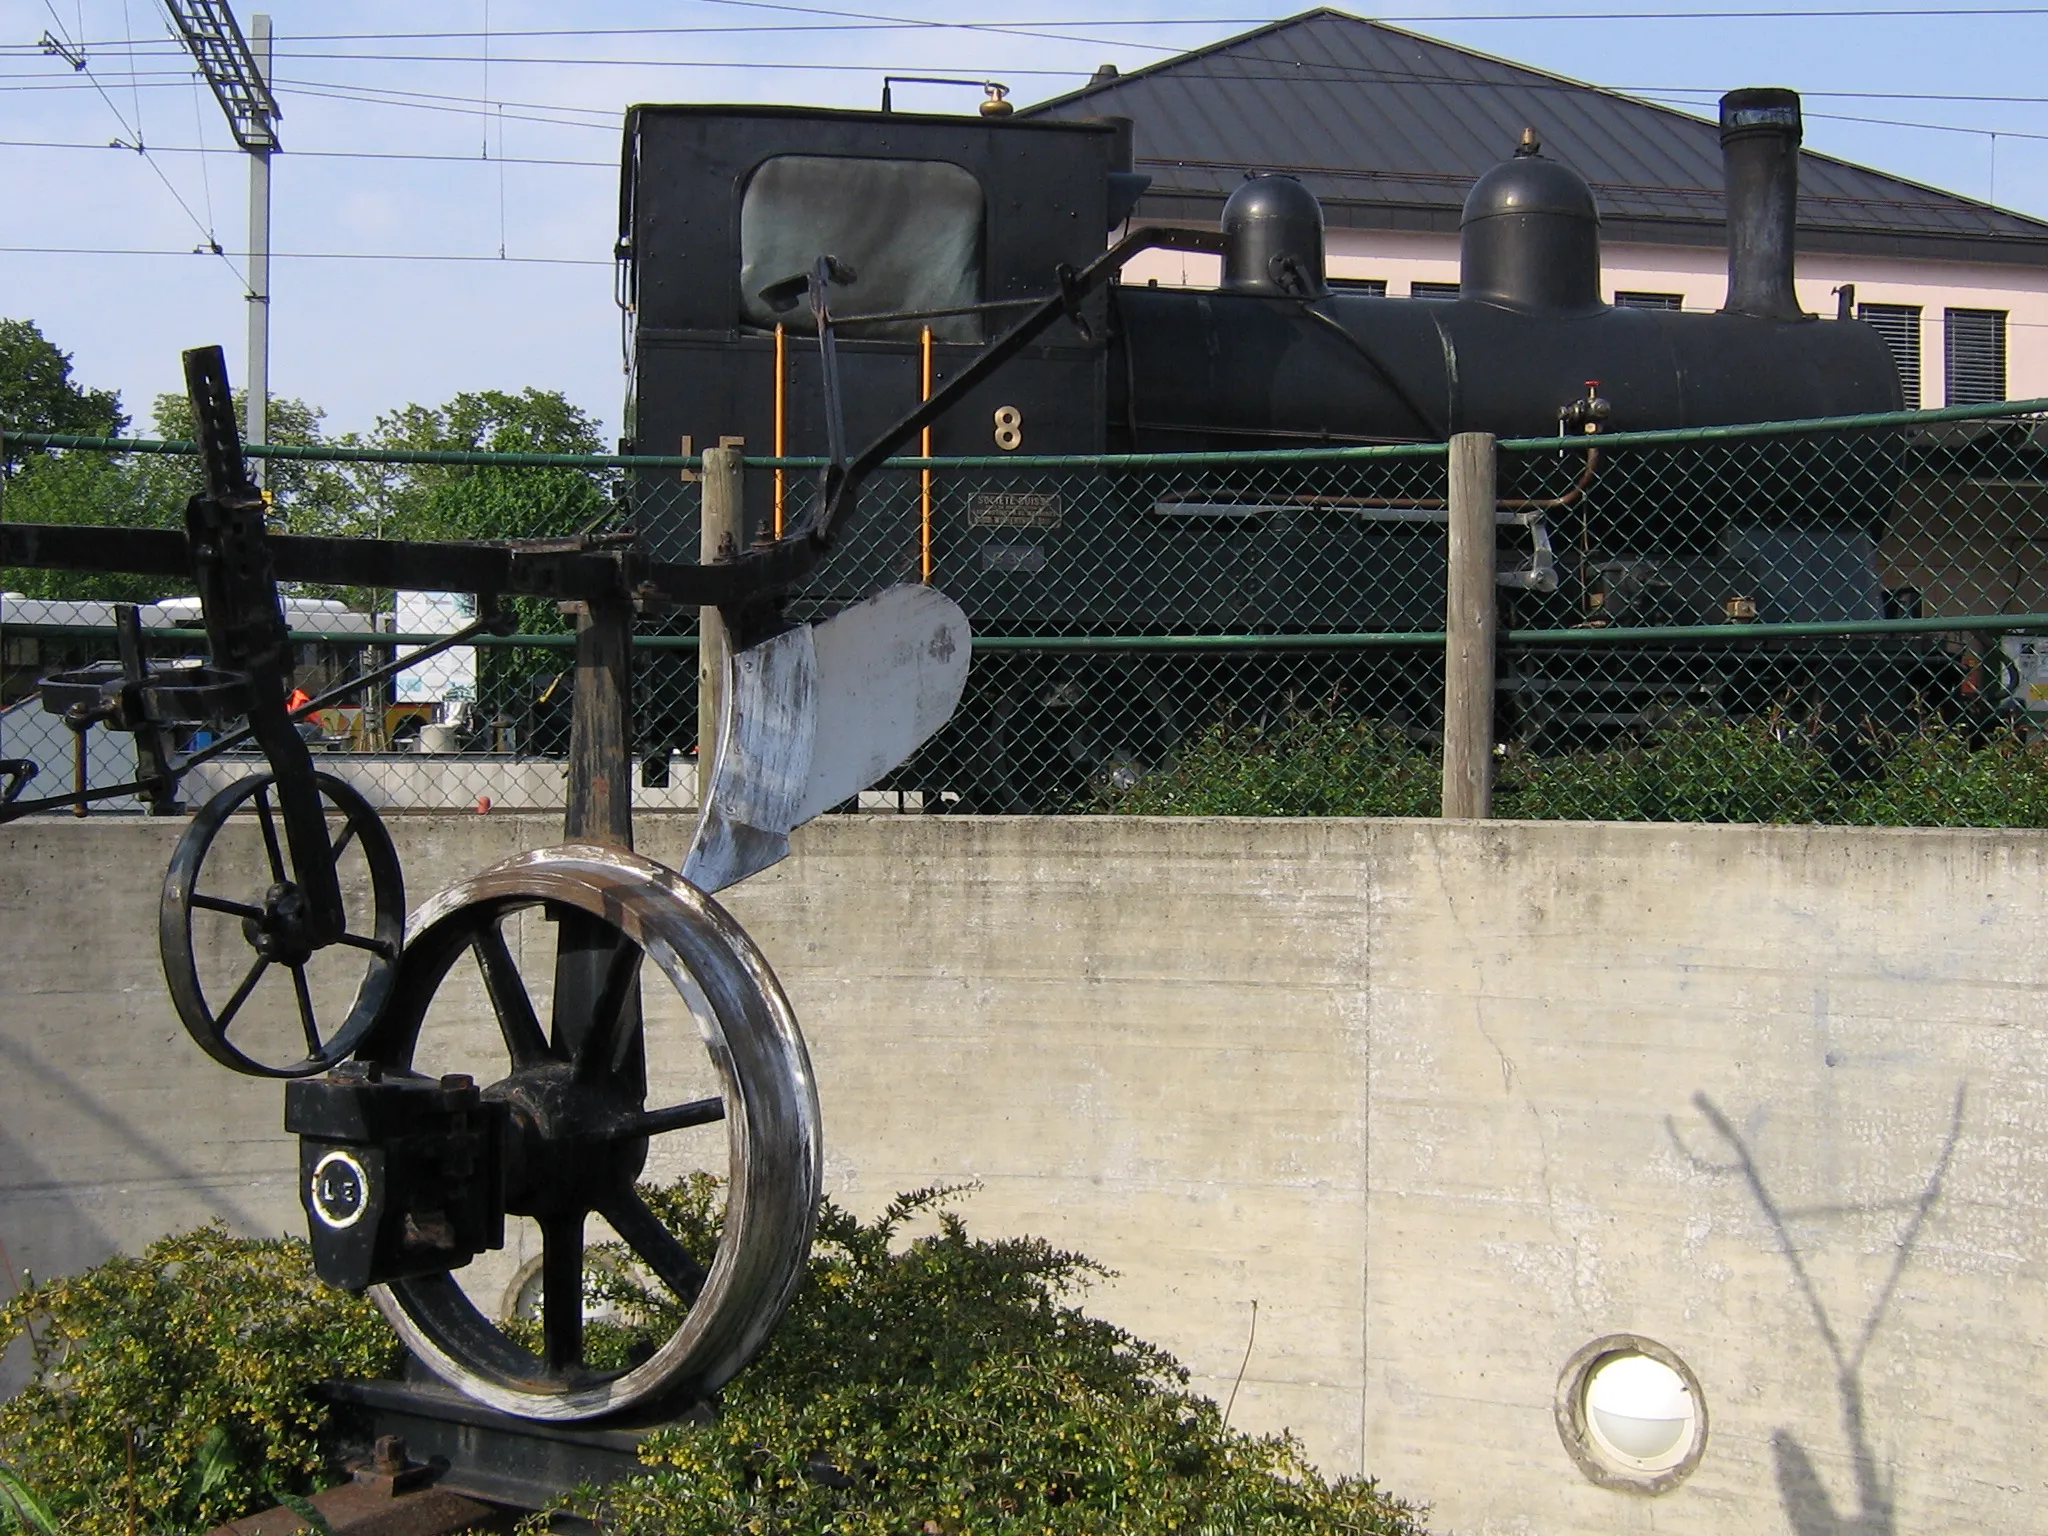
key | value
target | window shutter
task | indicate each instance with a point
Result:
(1368, 287)
(1623, 299)
(1976, 356)
(1899, 325)
(1433, 290)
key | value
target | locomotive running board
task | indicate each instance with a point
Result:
(814, 716)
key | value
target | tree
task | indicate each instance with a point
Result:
(307, 495)
(398, 501)
(150, 491)
(447, 501)
(37, 393)
(472, 501)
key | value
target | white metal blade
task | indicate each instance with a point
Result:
(890, 672)
(816, 715)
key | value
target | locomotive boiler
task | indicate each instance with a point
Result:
(936, 229)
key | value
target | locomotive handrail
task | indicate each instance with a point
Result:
(2003, 410)
(840, 491)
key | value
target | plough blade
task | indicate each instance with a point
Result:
(816, 715)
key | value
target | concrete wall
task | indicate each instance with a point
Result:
(1446, 1101)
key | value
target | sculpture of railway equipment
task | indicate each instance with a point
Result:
(408, 1174)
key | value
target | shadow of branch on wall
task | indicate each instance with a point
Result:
(1804, 1497)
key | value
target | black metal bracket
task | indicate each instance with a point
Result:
(245, 627)
(152, 747)
(1071, 296)
(16, 772)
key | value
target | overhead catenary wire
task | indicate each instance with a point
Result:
(210, 244)
(1292, 73)
(1034, 29)
(1349, 173)
(605, 119)
(869, 22)
(439, 102)
(199, 132)
(314, 154)
(1290, 70)
(109, 250)
(1230, 66)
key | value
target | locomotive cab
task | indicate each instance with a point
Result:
(937, 226)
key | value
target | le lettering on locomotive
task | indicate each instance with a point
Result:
(941, 227)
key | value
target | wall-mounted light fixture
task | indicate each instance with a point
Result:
(1631, 1414)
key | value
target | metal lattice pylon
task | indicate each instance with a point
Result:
(222, 53)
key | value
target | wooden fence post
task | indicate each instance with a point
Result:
(724, 532)
(600, 797)
(1470, 621)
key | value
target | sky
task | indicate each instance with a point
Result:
(445, 202)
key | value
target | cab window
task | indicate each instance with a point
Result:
(911, 230)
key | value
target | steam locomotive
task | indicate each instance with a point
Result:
(937, 228)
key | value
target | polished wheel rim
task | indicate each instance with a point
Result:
(578, 1127)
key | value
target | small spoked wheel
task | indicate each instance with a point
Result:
(241, 952)
(579, 1130)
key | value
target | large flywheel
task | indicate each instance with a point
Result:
(570, 1130)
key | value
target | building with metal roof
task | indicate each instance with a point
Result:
(1389, 129)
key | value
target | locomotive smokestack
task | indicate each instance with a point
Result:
(1760, 134)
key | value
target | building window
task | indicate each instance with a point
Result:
(1899, 325)
(1976, 356)
(1432, 290)
(1365, 287)
(1626, 300)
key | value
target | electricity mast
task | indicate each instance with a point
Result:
(240, 79)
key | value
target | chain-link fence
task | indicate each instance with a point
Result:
(1786, 625)
(1758, 624)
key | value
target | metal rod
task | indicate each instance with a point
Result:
(80, 771)
(258, 431)
(781, 415)
(985, 307)
(14, 810)
(924, 446)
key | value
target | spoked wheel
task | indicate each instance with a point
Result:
(243, 959)
(579, 1128)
